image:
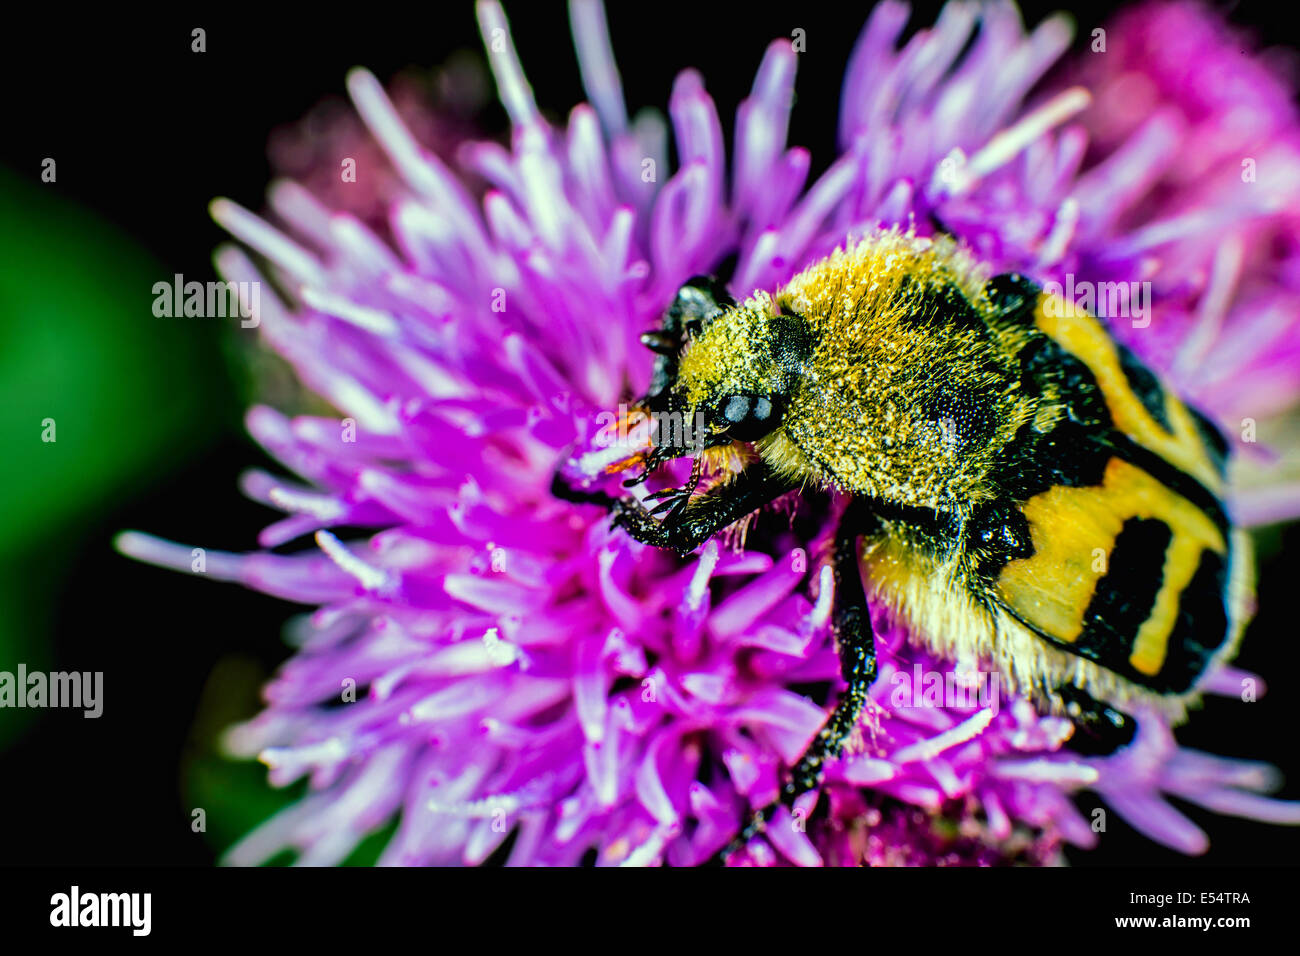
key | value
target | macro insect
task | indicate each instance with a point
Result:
(1017, 487)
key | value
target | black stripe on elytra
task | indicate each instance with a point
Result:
(1124, 595)
(1144, 385)
(1088, 421)
(1171, 477)
(1051, 371)
(1201, 628)
(1016, 297)
(1076, 456)
(1070, 456)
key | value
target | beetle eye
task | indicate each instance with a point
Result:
(748, 417)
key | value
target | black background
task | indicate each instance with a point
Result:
(146, 133)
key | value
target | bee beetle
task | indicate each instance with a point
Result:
(1022, 491)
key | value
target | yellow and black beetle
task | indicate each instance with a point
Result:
(1023, 491)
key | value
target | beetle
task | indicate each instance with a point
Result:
(1020, 488)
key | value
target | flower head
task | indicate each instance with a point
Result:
(528, 672)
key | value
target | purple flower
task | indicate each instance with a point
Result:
(521, 667)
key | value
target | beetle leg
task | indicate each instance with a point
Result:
(1100, 729)
(687, 527)
(855, 643)
(691, 522)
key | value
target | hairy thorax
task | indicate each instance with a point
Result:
(911, 389)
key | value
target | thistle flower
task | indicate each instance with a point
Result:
(530, 674)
